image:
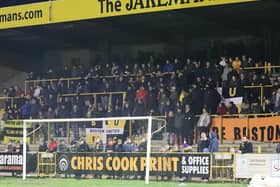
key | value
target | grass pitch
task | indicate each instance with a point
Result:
(53, 182)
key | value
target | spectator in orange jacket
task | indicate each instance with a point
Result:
(236, 65)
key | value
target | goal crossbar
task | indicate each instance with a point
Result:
(149, 135)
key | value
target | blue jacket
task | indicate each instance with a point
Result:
(214, 143)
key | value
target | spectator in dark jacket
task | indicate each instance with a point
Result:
(34, 109)
(170, 127)
(110, 147)
(245, 146)
(213, 143)
(211, 99)
(203, 143)
(188, 127)
(168, 67)
(178, 124)
(83, 146)
(119, 146)
(140, 109)
(196, 100)
(62, 147)
(232, 109)
(278, 148)
(143, 145)
(25, 110)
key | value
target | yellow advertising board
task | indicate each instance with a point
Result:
(24, 15)
(73, 10)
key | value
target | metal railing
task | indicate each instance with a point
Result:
(96, 94)
(48, 132)
(267, 67)
(261, 87)
(69, 79)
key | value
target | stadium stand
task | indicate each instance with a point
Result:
(146, 88)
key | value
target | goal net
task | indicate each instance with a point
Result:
(91, 147)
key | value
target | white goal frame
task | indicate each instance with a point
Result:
(149, 136)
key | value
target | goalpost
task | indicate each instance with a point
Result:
(103, 120)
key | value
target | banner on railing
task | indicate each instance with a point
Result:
(236, 100)
(10, 162)
(13, 131)
(257, 129)
(249, 165)
(100, 130)
(193, 165)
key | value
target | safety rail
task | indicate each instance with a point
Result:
(18, 124)
(95, 94)
(267, 67)
(261, 87)
(218, 125)
(69, 79)
(11, 100)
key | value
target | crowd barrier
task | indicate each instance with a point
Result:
(213, 166)
(257, 127)
(68, 80)
(13, 131)
(250, 165)
(267, 68)
(98, 96)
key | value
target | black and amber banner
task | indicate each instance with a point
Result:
(134, 164)
(195, 165)
(233, 91)
(13, 131)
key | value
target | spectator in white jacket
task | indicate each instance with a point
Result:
(204, 121)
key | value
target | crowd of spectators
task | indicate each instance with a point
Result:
(152, 88)
(158, 88)
(113, 144)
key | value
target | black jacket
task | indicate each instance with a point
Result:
(188, 123)
(246, 147)
(83, 148)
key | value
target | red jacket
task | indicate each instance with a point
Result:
(142, 94)
(52, 146)
(222, 110)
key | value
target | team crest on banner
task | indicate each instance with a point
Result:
(63, 163)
